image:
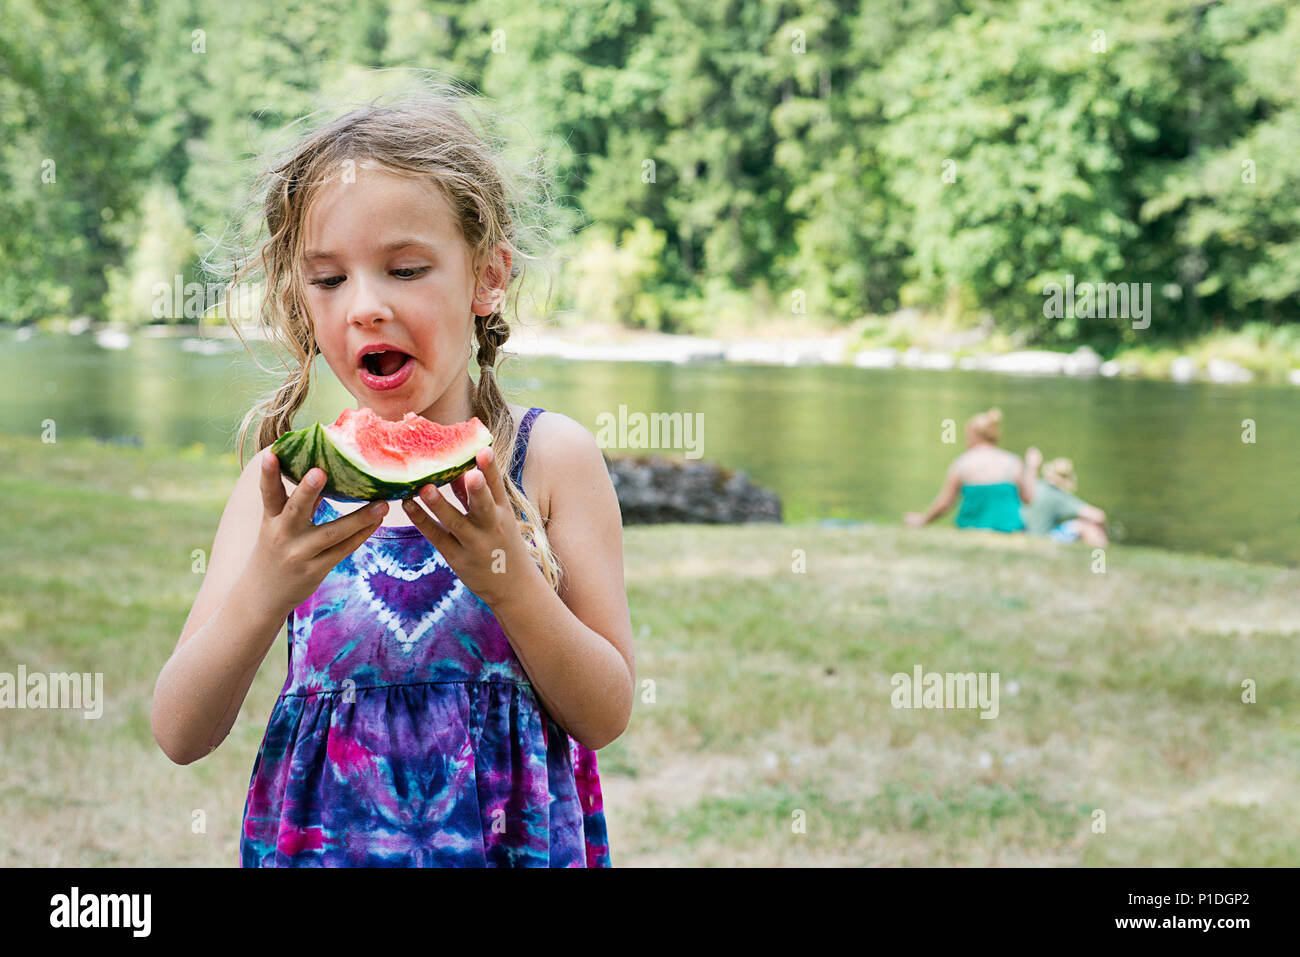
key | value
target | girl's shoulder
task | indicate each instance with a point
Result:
(554, 435)
(562, 452)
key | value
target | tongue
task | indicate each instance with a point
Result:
(389, 362)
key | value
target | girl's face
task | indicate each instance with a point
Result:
(384, 261)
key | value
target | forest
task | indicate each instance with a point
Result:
(823, 160)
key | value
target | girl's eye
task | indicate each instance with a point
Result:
(332, 282)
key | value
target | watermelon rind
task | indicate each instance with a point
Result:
(346, 481)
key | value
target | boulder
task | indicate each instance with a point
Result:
(654, 491)
(1083, 361)
(1225, 370)
(915, 358)
(1029, 362)
(789, 352)
(1182, 369)
(876, 358)
(937, 360)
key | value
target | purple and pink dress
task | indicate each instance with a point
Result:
(409, 735)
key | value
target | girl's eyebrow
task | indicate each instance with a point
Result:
(314, 254)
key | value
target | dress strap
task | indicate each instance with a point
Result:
(521, 445)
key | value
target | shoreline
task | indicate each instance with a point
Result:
(838, 349)
(199, 458)
(603, 343)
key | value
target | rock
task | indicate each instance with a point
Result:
(937, 360)
(1182, 369)
(1225, 370)
(878, 359)
(647, 348)
(1294, 377)
(1029, 362)
(766, 353)
(112, 339)
(787, 352)
(1082, 361)
(1110, 369)
(654, 491)
(914, 358)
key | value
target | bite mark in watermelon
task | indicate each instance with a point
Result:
(367, 458)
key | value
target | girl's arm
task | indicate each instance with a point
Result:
(576, 646)
(942, 502)
(1028, 473)
(266, 560)
(1091, 513)
(203, 685)
(231, 626)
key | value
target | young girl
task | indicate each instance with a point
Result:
(991, 481)
(453, 663)
(1060, 514)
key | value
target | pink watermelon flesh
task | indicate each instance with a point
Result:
(405, 450)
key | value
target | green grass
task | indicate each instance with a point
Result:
(763, 732)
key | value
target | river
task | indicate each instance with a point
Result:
(1172, 464)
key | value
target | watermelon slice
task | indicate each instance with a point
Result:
(367, 458)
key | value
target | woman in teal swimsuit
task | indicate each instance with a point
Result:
(992, 482)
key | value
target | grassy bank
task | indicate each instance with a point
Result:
(770, 694)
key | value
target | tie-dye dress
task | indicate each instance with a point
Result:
(409, 735)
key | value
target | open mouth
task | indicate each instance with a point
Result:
(386, 370)
(384, 364)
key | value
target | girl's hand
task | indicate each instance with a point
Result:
(292, 555)
(914, 519)
(1033, 459)
(482, 546)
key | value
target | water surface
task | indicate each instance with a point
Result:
(1165, 460)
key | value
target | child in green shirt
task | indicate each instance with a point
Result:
(1057, 512)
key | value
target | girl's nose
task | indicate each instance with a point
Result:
(368, 303)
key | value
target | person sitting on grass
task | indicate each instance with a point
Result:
(992, 482)
(1056, 512)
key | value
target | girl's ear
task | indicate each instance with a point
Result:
(492, 284)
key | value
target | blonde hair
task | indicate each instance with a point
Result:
(1060, 472)
(986, 425)
(420, 133)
